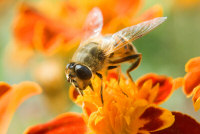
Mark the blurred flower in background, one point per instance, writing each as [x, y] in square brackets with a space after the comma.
[11, 97]
[192, 81]
[46, 33]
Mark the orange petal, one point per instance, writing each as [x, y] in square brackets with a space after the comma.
[34, 30]
[165, 86]
[4, 88]
[177, 83]
[193, 65]
[196, 98]
[68, 123]
[183, 124]
[156, 119]
[192, 79]
[124, 7]
[11, 97]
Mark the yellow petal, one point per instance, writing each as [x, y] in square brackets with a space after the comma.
[196, 98]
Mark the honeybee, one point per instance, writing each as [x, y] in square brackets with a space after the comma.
[97, 53]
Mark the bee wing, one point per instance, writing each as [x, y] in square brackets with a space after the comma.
[93, 24]
[132, 33]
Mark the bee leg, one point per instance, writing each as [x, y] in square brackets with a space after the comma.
[136, 57]
[101, 91]
[90, 85]
[118, 79]
[118, 73]
[134, 65]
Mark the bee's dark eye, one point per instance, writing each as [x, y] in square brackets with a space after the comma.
[70, 65]
[83, 72]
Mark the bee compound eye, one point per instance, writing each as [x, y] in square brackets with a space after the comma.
[83, 72]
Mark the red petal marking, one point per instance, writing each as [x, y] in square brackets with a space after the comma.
[193, 64]
[165, 85]
[192, 79]
[112, 75]
[183, 124]
[152, 114]
[4, 88]
[69, 123]
[73, 93]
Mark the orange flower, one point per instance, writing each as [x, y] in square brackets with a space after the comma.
[36, 31]
[11, 97]
[34, 28]
[192, 81]
[125, 110]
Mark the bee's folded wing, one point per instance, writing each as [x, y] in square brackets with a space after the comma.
[132, 33]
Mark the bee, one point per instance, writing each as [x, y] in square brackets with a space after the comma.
[97, 53]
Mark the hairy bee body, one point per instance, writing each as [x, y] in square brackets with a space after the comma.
[91, 56]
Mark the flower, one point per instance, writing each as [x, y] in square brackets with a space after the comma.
[34, 30]
[129, 108]
[11, 97]
[125, 109]
[191, 85]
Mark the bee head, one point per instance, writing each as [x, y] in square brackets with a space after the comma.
[79, 75]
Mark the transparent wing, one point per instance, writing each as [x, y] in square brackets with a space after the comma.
[93, 24]
[132, 33]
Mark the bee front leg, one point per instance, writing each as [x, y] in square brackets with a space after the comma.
[101, 91]
[134, 65]
[90, 85]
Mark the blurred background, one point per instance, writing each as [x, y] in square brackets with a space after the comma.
[31, 51]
